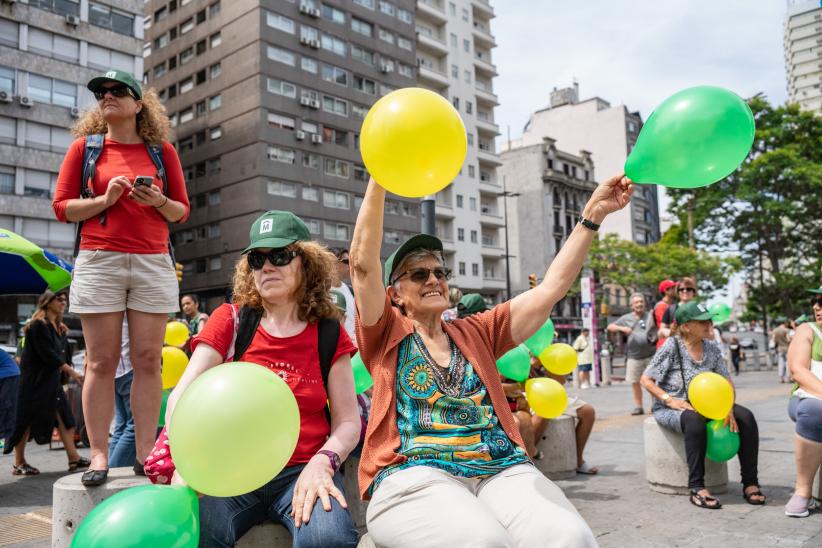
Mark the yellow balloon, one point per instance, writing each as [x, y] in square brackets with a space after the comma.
[559, 358]
[413, 142]
[176, 333]
[546, 397]
[174, 363]
[711, 395]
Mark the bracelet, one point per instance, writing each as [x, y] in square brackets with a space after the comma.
[589, 224]
[161, 205]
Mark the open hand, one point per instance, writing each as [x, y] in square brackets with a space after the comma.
[730, 420]
[611, 195]
[682, 405]
[315, 481]
[117, 186]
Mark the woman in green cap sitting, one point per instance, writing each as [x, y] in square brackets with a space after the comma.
[443, 461]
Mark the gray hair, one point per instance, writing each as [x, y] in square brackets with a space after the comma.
[416, 256]
[454, 296]
[636, 296]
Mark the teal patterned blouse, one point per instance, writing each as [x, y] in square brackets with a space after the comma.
[446, 420]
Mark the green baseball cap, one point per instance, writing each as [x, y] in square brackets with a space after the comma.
[119, 76]
[339, 299]
[420, 241]
[277, 229]
[471, 304]
[818, 290]
[801, 319]
[690, 311]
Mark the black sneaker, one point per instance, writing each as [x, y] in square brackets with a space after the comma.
[138, 469]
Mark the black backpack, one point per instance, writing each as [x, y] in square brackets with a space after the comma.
[328, 333]
[91, 153]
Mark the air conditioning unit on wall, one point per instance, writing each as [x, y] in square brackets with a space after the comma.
[316, 138]
[72, 20]
[299, 135]
[5, 97]
[25, 101]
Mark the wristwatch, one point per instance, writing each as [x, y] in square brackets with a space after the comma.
[589, 224]
[665, 398]
[333, 457]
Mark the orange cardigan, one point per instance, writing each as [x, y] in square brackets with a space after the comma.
[482, 338]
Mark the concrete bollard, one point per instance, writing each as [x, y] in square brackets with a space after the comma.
[560, 447]
[72, 501]
[666, 467]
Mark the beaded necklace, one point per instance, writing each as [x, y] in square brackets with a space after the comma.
[450, 381]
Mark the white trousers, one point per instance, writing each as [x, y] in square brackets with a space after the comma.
[423, 506]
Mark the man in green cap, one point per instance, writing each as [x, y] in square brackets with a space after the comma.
[471, 303]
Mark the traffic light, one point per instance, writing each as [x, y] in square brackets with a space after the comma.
[178, 270]
[604, 309]
[532, 280]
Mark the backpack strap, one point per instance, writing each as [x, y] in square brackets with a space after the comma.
[91, 152]
[246, 325]
[156, 154]
[328, 334]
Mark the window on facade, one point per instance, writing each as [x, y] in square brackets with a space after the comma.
[362, 27]
[335, 105]
[215, 102]
[336, 199]
[387, 8]
[281, 154]
[215, 133]
[460, 234]
[333, 14]
[309, 65]
[214, 9]
[61, 7]
[474, 269]
[386, 36]
[186, 115]
[405, 70]
[472, 171]
[365, 3]
[333, 74]
[279, 121]
[8, 130]
[281, 56]
[360, 174]
[473, 236]
[337, 231]
[461, 268]
[472, 203]
[404, 43]
[365, 85]
[279, 22]
[469, 107]
[311, 194]
[336, 136]
[333, 44]
[309, 127]
[215, 70]
[335, 168]
[37, 183]
[405, 16]
[282, 188]
[200, 17]
[6, 180]
[281, 87]
[185, 56]
[215, 40]
[200, 47]
[112, 19]
[359, 111]
[213, 166]
[186, 85]
[311, 161]
[186, 26]
[467, 76]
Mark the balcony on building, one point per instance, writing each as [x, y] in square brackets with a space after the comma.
[485, 92]
[487, 153]
[482, 62]
[431, 39]
[487, 181]
[433, 10]
[444, 207]
[482, 9]
[482, 34]
[430, 72]
[485, 122]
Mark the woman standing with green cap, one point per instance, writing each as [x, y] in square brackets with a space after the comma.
[123, 267]
[443, 461]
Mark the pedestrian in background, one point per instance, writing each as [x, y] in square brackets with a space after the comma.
[667, 288]
[124, 264]
[191, 308]
[637, 350]
[454, 297]
[343, 287]
[782, 340]
[585, 358]
[9, 379]
[686, 291]
[736, 354]
[41, 401]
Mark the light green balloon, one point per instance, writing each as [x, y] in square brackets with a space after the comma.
[515, 364]
[147, 516]
[721, 312]
[694, 138]
[234, 429]
[362, 378]
[542, 339]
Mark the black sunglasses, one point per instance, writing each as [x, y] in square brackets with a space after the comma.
[344, 261]
[421, 275]
[116, 91]
[689, 289]
[277, 257]
[816, 301]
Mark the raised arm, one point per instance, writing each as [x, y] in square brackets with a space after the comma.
[364, 256]
[530, 309]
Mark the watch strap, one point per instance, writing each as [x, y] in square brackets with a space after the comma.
[589, 224]
[333, 457]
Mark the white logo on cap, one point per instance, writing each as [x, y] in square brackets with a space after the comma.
[702, 308]
[111, 74]
[266, 226]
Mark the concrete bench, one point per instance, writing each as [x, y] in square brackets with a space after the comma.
[72, 501]
[666, 467]
[559, 444]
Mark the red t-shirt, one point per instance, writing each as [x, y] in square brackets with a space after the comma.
[297, 360]
[659, 311]
[130, 227]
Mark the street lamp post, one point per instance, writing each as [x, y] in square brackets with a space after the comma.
[505, 194]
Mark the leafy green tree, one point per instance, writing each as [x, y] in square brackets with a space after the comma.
[768, 211]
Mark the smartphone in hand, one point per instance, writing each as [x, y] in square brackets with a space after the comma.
[143, 180]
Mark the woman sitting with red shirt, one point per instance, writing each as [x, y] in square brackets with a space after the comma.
[290, 279]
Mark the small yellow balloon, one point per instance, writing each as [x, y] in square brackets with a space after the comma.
[559, 358]
[711, 395]
[176, 333]
[174, 363]
[413, 142]
[546, 397]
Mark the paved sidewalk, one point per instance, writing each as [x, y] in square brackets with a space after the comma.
[617, 503]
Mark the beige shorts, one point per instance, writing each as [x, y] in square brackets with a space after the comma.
[110, 281]
[635, 368]
[574, 405]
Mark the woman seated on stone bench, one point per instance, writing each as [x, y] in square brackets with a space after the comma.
[289, 278]
[687, 353]
[443, 461]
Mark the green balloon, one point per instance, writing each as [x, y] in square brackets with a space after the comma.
[362, 378]
[721, 312]
[542, 339]
[515, 364]
[234, 429]
[162, 421]
[147, 516]
[722, 443]
[694, 138]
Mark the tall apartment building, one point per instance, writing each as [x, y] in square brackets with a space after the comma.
[803, 53]
[49, 49]
[609, 134]
[454, 44]
[550, 188]
[267, 98]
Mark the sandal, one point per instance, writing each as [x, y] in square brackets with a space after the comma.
[24, 469]
[702, 501]
[78, 464]
[749, 496]
[587, 469]
[93, 478]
